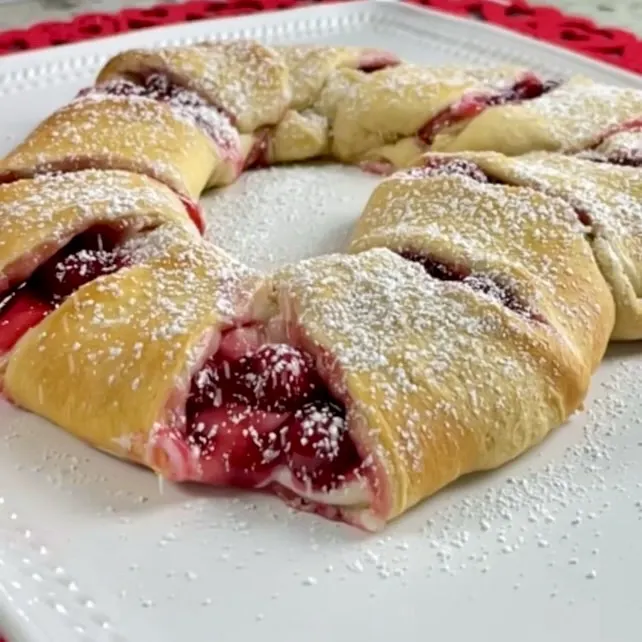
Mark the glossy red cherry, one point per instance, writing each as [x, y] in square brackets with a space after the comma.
[320, 450]
[63, 275]
[238, 444]
[274, 378]
[19, 312]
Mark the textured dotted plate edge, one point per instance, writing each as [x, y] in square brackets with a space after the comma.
[445, 33]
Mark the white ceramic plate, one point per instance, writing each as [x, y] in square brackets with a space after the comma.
[545, 549]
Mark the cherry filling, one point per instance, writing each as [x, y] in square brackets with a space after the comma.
[376, 61]
[88, 256]
[194, 212]
[258, 157]
[631, 157]
[443, 166]
[471, 105]
[482, 283]
[257, 417]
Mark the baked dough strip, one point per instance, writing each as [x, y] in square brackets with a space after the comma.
[432, 374]
[606, 198]
[351, 385]
[193, 117]
[196, 117]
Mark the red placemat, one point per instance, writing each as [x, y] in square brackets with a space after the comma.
[545, 23]
[581, 35]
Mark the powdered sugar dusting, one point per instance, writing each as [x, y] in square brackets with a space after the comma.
[117, 195]
[608, 194]
[400, 339]
[530, 242]
[570, 118]
[623, 148]
[80, 135]
[276, 216]
[185, 104]
[397, 102]
[577, 113]
[244, 78]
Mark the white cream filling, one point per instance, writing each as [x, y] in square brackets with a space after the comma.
[353, 493]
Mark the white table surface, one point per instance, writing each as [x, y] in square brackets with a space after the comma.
[626, 14]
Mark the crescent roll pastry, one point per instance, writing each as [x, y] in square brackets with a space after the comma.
[305, 129]
[193, 117]
[389, 119]
[57, 233]
[353, 385]
[395, 114]
[245, 80]
[310, 66]
[620, 146]
[112, 364]
[267, 94]
[451, 219]
[569, 118]
[151, 140]
[237, 87]
[431, 375]
[607, 199]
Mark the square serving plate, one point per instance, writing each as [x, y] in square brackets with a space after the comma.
[91, 549]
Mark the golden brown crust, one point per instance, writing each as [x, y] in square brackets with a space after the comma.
[397, 102]
[150, 140]
[433, 373]
[258, 87]
[527, 240]
[570, 118]
[306, 128]
[38, 216]
[610, 196]
[115, 360]
[246, 79]
[310, 66]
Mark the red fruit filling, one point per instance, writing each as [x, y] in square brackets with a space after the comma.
[482, 283]
[260, 415]
[20, 310]
[473, 104]
[258, 156]
[194, 211]
[628, 157]
[376, 61]
[88, 256]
